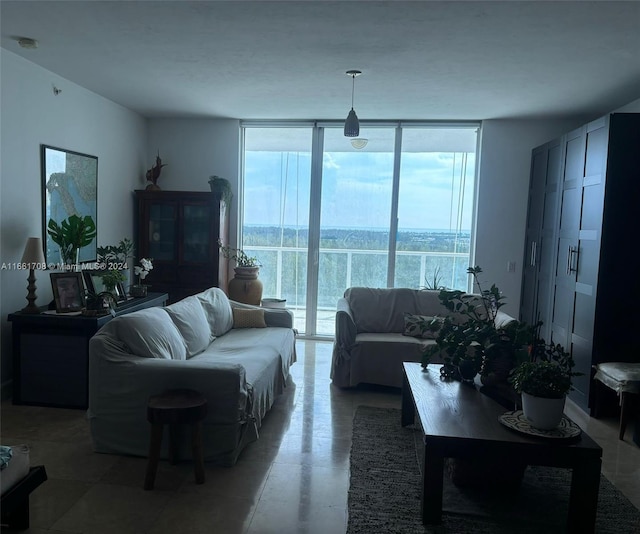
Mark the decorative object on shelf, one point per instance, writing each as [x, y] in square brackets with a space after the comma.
[222, 186]
[34, 258]
[474, 338]
[351, 124]
[154, 173]
[68, 291]
[141, 271]
[244, 286]
[71, 235]
[544, 380]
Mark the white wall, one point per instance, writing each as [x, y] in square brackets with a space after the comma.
[194, 150]
[78, 120]
[631, 107]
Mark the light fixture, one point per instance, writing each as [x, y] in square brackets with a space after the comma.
[352, 125]
[33, 257]
[359, 142]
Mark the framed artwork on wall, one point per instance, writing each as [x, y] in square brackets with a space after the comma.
[68, 291]
[69, 187]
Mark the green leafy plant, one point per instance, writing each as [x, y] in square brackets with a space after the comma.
[116, 253]
[221, 185]
[473, 333]
[434, 280]
[546, 372]
[111, 279]
[239, 256]
[72, 234]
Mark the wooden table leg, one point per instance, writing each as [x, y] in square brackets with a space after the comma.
[431, 501]
[583, 500]
[154, 455]
[198, 452]
[408, 412]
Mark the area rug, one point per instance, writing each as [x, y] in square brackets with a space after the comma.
[384, 492]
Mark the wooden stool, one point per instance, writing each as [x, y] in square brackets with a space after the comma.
[174, 407]
[624, 379]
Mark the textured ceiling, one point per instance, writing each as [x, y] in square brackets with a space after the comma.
[286, 60]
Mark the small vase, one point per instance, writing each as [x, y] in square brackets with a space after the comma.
[245, 286]
[153, 187]
[542, 413]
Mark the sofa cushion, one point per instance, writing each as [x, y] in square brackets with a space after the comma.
[217, 309]
[150, 333]
[189, 317]
[380, 310]
[422, 326]
[243, 318]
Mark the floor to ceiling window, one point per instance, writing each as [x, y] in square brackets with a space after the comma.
[322, 216]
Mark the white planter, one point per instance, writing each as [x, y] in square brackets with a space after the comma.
[544, 414]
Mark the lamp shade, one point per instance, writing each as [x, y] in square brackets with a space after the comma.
[352, 125]
[33, 253]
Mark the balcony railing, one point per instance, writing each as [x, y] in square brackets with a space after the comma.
[283, 275]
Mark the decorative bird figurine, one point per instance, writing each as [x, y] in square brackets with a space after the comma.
[154, 172]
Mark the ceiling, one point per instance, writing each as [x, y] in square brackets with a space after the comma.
[287, 60]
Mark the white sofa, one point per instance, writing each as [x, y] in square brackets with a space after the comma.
[204, 342]
[373, 335]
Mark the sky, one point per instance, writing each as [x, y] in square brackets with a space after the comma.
[356, 187]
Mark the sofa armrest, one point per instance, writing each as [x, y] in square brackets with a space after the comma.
[345, 325]
[279, 317]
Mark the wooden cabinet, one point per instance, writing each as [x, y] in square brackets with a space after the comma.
[541, 233]
[180, 231]
[51, 354]
[593, 290]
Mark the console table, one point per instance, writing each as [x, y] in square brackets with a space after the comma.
[51, 353]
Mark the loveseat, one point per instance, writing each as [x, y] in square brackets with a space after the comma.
[238, 356]
[378, 329]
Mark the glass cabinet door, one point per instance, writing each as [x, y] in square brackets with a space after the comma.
[162, 231]
[196, 230]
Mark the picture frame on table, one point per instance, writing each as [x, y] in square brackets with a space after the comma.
[94, 283]
[68, 292]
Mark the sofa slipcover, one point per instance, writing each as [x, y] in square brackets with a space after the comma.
[240, 372]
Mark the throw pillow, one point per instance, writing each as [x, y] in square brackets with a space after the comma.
[217, 309]
[190, 319]
[151, 333]
[422, 326]
[245, 318]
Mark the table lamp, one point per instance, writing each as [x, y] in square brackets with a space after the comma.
[33, 257]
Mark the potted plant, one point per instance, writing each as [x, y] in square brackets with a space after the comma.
[244, 286]
[544, 380]
[71, 235]
[117, 257]
[141, 271]
[222, 186]
[473, 339]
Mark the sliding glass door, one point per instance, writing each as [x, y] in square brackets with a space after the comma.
[323, 216]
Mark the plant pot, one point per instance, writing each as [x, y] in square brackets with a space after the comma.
[245, 286]
[138, 291]
[543, 413]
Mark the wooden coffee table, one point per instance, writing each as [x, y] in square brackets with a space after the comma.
[458, 421]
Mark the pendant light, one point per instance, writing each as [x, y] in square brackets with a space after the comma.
[352, 125]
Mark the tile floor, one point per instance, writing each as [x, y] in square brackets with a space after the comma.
[293, 480]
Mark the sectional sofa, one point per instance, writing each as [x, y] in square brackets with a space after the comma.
[237, 356]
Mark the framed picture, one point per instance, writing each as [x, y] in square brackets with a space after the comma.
[69, 187]
[95, 284]
[68, 291]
